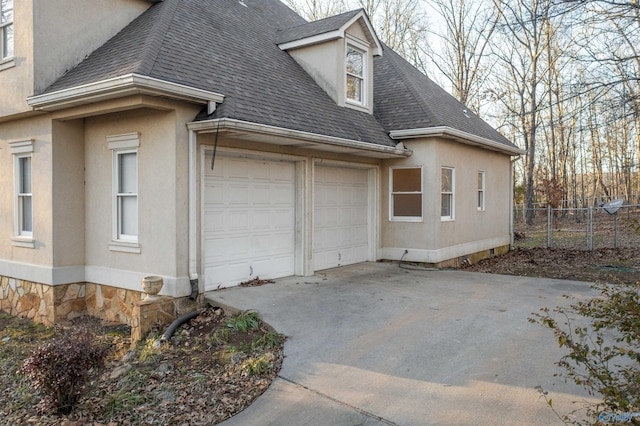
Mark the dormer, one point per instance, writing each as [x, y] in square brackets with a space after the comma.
[337, 52]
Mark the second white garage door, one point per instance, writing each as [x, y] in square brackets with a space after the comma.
[249, 220]
[341, 217]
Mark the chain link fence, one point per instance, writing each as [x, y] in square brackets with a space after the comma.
[577, 228]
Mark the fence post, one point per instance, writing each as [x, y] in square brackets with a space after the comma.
[615, 230]
[549, 228]
[590, 230]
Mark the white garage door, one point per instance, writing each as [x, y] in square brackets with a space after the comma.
[249, 220]
[341, 217]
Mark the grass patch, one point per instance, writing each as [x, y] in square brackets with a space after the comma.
[258, 366]
[244, 321]
[220, 337]
[268, 341]
[148, 353]
[126, 403]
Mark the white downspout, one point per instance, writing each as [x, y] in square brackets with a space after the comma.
[193, 213]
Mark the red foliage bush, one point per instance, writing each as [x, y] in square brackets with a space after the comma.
[59, 369]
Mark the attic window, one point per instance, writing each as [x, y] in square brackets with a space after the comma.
[6, 29]
[356, 64]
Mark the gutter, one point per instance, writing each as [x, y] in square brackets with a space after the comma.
[210, 126]
[458, 135]
[126, 85]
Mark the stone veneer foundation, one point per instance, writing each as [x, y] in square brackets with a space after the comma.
[53, 304]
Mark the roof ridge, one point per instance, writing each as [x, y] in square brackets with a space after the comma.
[157, 34]
[318, 22]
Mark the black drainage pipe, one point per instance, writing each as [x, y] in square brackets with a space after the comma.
[177, 323]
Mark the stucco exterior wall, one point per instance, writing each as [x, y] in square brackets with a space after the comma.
[469, 223]
[163, 215]
[156, 196]
[416, 234]
[38, 129]
[17, 80]
[323, 63]
[50, 37]
[68, 200]
[433, 240]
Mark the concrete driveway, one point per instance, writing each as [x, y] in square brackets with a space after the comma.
[374, 344]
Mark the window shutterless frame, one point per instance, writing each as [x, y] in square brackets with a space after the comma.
[125, 195]
[405, 198]
[355, 65]
[356, 73]
[6, 29]
[481, 190]
[447, 194]
[23, 218]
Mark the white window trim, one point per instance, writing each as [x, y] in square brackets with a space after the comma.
[354, 44]
[482, 191]
[452, 217]
[5, 59]
[122, 144]
[21, 149]
[394, 218]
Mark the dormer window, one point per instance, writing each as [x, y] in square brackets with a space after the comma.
[6, 29]
[337, 52]
[355, 75]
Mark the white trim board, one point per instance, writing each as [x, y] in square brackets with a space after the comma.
[129, 280]
[445, 253]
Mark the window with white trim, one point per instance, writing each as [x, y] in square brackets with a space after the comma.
[406, 193]
[481, 190]
[6, 29]
[447, 206]
[23, 193]
[125, 187]
[356, 64]
[23, 196]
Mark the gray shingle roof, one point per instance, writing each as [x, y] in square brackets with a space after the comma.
[405, 98]
[224, 47]
[310, 29]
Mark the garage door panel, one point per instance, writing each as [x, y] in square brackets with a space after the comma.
[249, 220]
[341, 217]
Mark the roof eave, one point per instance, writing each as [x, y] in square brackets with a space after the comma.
[457, 135]
[300, 139]
[117, 87]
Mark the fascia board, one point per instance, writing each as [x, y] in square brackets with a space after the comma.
[126, 85]
[227, 123]
[377, 51]
[458, 135]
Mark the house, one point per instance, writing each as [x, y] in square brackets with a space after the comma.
[210, 142]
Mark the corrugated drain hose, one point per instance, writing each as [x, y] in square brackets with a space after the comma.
[177, 323]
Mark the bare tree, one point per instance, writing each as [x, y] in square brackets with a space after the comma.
[464, 40]
[312, 10]
[523, 26]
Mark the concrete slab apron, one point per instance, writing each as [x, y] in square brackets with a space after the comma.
[375, 344]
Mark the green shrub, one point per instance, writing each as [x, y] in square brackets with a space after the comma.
[602, 336]
[59, 369]
[245, 321]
